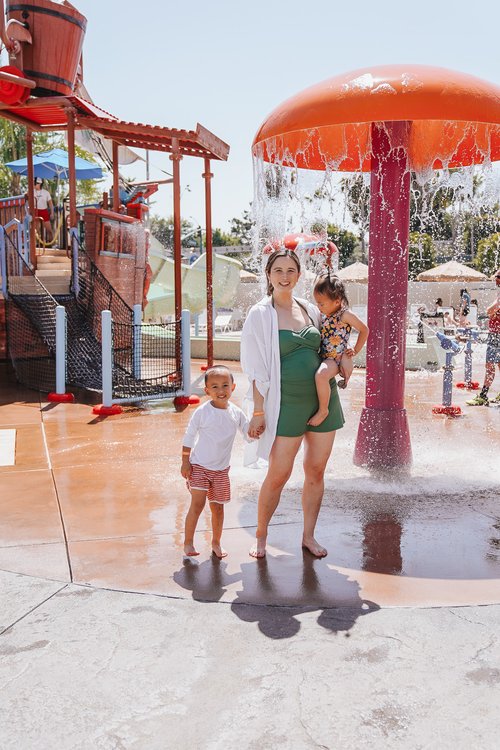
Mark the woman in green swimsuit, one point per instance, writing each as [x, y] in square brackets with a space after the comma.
[280, 353]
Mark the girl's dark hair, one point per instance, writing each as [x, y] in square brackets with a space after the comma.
[331, 286]
[283, 252]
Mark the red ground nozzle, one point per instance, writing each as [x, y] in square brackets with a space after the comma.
[61, 398]
[472, 385]
[186, 400]
[450, 411]
[107, 411]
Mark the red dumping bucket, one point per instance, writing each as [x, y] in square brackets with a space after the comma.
[57, 31]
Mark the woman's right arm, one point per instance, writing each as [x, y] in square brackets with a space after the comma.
[254, 364]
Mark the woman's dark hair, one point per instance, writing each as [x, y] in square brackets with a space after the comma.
[331, 286]
[439, 302]
[283, 252]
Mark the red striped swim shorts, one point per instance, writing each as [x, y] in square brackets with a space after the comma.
[216, 483]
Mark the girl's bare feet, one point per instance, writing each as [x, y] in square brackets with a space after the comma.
[312, 546]
[190, 551]
[259, 548]
[218, 551]
[317, 418]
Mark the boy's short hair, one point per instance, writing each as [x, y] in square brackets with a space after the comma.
[218, 370]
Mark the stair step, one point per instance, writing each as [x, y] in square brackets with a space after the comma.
[23, 285]
[51, 253]
[57, 288]
[52, 260]
[53, 272]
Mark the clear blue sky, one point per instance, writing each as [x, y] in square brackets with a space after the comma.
[228, 64]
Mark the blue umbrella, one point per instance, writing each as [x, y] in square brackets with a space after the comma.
[54, 165]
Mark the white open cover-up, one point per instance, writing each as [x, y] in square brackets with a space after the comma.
[260, 361]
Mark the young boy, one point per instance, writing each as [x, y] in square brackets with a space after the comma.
[206, 454]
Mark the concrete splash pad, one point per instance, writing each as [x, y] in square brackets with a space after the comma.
[432, 539]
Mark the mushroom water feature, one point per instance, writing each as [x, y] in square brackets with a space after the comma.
[389, 121]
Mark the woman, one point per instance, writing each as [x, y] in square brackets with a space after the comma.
[279, 353]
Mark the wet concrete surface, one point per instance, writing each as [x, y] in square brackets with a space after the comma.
[110, 493]
[109, 639]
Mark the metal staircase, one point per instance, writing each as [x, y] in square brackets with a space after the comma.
[31, 332]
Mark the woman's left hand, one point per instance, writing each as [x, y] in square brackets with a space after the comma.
[349, 352]
[256, 427]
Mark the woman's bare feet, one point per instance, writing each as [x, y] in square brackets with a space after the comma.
[218, 551]
[317, 418]
[259, 548]
[312, 546]
[190, 551]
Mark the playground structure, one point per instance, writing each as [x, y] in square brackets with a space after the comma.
[387, 120]
[109, 268]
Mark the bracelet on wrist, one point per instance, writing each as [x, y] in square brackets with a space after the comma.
[258, 414]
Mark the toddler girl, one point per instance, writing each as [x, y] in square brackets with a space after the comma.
[336, 323]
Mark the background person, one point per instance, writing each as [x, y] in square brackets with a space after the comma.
[44, 208]
[280, 344]
[464, 308]
[492, 350]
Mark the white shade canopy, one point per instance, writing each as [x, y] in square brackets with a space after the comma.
[354, 272]
[451, 271]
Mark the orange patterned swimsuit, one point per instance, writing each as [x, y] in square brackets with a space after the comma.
[334, 336]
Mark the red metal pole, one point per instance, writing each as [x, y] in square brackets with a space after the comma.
[31, 196]
[207, 175]
[176, 157]
[71, 168]
[383, 440]
[116, 179]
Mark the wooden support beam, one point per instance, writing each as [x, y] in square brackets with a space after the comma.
[31, 196]
[116, 179]
[207, 176]
[176, 160]
[71, 167]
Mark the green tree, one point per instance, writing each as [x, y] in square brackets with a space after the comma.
[242, 229]
[487, 259]
[13, 146]
[163, 230]
[477, 227]
[357, 195]
[422, 255]
[223, 239]
[346, 242]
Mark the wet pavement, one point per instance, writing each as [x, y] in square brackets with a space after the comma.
[95, 591]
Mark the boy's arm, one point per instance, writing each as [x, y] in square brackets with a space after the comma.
[362, 330]
[244, 425]
[186, 464]
[188, 443]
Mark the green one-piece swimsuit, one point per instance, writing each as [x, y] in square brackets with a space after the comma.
[299, 401]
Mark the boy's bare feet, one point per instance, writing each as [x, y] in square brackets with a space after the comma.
[312, 546]
[259, 548]
[218, 551]
[317, 418]
[190, 551]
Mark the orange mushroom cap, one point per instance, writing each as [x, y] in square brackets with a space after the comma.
[455, 119]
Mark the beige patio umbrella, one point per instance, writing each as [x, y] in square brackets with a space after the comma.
[451, 271]
[354, 272]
